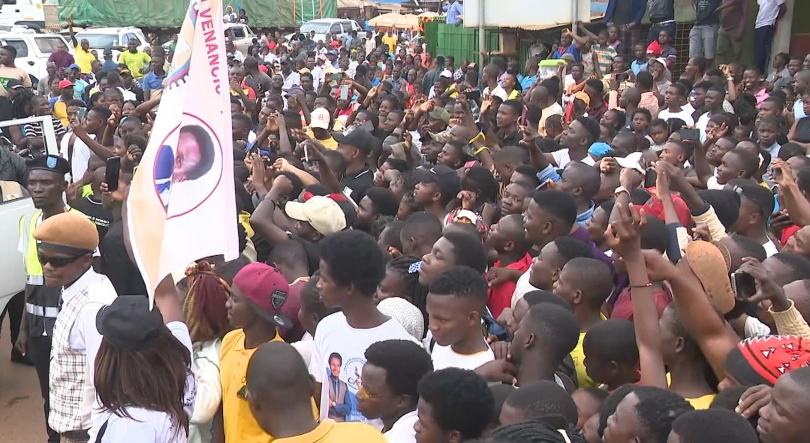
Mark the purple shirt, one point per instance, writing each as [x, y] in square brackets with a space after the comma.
[618, 281]
[61, 59]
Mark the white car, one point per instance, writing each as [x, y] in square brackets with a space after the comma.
[241, 36]
[12, 273]
[333, 26]
[110, 38]
[33, 49]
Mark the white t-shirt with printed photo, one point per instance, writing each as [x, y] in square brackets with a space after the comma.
[337, 363]
[562, 158]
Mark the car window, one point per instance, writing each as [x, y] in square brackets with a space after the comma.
[335, 29]
[238, 32]
[249, 31]
[47, 45]
[101, 41]
[19, 45]
[129, 37]
[318, 27]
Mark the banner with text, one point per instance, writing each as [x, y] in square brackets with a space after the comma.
[181, 204]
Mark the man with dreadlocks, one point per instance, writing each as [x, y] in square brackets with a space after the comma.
[207, 320]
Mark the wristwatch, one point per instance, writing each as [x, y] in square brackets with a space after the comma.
[619, 190]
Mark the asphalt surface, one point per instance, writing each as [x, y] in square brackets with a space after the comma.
[21, 417]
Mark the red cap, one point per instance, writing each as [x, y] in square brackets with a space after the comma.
[266, 287]
[65, 83]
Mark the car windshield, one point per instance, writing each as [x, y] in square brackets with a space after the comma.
[99, 41]
[48, 45]
[318, 27]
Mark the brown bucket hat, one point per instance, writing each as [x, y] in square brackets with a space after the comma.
[711, 264]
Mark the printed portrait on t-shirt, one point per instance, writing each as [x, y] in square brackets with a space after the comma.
[343, 379]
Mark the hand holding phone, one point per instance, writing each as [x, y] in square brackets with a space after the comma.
[112, 173]
[743, 285]
[690, 134]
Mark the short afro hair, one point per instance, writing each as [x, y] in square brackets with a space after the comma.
[463, 282]
[654, 235]
[404, 362]
[612, 340]
[570, 248]
[798, 265]
[383, 200]
[468, 250]
[354, 259]
[543, 296]
[558, 204]
[656, 410]
[460, 399]
[611, 403]
[557, 326]
[543, 399]
[713, 426]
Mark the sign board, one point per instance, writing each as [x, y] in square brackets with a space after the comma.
[501, 13]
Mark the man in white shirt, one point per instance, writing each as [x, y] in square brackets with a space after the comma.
[66, 245]
[764, 29]
[675, 99]
[391, 374]
[371, 44]
[291, 78]
[352, 266]
[455, 305]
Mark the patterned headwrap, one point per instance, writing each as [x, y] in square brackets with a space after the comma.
[762, 360]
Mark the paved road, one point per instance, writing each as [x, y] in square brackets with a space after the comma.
[21, 416]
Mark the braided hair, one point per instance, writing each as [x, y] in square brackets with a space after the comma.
[204, 307]
[21, 105]
[402, 265]
[536, 430]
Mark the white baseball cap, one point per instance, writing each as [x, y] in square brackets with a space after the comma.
[320, 118]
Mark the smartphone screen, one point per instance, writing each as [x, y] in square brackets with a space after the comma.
[81, 112]
[344, 92]
[743, 285]
[112, 172]
[649, 178]
[689, 134]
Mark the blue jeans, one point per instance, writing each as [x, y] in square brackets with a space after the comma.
[656, 28]
[763, 39]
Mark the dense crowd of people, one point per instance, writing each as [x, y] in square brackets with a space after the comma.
[433, 252]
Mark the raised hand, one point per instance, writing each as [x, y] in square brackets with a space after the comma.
[624, 235]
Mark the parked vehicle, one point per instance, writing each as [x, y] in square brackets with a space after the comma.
[112, 38]
[33, 49]
[12, 273]
[333, 26]
[23, 12]
[241, 35]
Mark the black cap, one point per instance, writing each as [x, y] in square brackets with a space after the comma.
[128, 324]
[759, 195]
[358, 138]
[14, 83]
[448, 180]
[49, 163]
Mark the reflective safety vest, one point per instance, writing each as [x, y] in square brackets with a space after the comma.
[36, 306]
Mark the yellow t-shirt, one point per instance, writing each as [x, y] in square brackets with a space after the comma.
[60, 112]
[83, 58]
[698, 402]
[329, 143]
[331, 432]
[239, 423]
[391, 41]
[702, 402]
[134, 62]
[578, 355]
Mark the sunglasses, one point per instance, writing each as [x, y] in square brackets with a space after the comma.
[57, 262]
